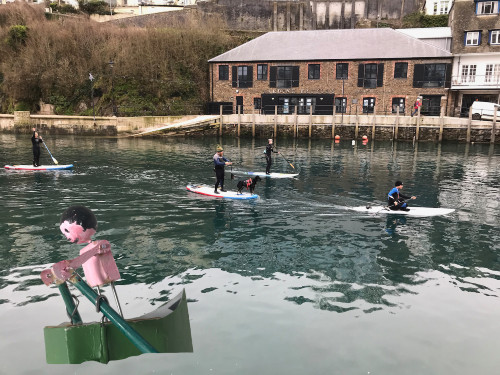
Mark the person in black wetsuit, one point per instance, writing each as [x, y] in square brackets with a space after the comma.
[36, 140]
[396, 200]
[219, 163]
[268, 152]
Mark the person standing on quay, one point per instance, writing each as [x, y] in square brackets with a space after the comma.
[36, 140]
[416, 106]
[219, 163]
[268, 152]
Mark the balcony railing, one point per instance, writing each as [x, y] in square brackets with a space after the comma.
[489, 80]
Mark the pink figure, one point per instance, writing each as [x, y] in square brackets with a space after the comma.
[79, 224]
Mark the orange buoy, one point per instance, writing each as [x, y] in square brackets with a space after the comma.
[364, 138]
[337, 137]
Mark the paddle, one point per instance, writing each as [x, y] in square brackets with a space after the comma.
[291, 165]
[53, 158]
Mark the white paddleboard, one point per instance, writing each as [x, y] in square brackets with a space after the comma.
[28, 167]
[414, 211]
[209, 191]
[271, 175]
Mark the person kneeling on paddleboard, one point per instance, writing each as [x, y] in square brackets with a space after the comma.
[36, 140]
[396, 200]
[219, 163]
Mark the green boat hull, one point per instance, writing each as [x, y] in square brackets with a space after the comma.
[167, 329]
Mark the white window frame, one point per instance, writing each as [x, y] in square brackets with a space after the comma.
[443, 8]
[481, 5]
[472, 38]
[435, 8]
[469, 73]
[495, 37]
[492, 73]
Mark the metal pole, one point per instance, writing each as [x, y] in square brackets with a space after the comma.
[111, 64]
[92, 94]
[70, 304]
[136, 339]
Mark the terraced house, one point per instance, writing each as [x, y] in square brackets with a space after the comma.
[475, 29]
[349, 71]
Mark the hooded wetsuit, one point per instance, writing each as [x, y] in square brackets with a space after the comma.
[269, 160]
[395, 196]
[36, 150]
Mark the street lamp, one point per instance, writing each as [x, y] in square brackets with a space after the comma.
[111, 63]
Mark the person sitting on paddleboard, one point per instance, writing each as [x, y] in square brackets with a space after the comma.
[36, 140]
[396, 200]
[219, 163]
[268, 152]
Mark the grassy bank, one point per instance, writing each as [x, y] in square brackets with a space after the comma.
[160, 70]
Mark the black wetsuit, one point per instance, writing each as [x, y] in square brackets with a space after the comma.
[395, 196]
[36, 150]
[269, 159]
[219, 163]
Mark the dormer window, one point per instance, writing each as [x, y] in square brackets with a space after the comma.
[487, 7]
[472, 38]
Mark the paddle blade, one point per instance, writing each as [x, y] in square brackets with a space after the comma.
[291, 165]
[232, 176]
[55, 161]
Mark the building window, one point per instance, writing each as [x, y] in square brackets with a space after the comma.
[342, 71]
[223, 72]
[313, 71]
[398, 102]
[370, 75]
[492, 73]
[284, 76]
[340, 105]
[261, 72]
[469, 73]
[243, 76]
[435, 8]
[495, 37]
[443, 8]
[401, 70]
[487, 7]
[472, 38]
[257, 103]
[432, 75]
[368, 105]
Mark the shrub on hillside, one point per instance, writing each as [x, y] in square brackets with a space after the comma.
[94, 7]
[418, 19]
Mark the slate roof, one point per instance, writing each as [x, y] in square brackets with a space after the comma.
[320, 45]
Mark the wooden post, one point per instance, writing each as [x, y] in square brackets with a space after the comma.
[374, 122]
[310, 121]
[441, 125]
[253, 123]
[295, 130]
[275, 134]
[220, 122]
[333, 121]
[469, 125]
[239, 120]
[396, 126]
[494, 125]
[417, 129]
[356, 129]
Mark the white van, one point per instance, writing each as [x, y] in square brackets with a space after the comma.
[484, 110]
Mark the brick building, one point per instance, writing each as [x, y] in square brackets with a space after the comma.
[357, 70]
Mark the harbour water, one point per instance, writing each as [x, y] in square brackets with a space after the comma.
[291, 283]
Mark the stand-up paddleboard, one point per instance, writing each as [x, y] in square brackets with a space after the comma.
[40, 168]
[209, 191]
[414, 211]
[271, 175]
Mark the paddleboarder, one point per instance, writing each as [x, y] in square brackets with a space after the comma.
[396, 200]
[268, 152]
[219, 163]
[36, 140]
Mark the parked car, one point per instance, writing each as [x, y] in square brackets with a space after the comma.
[484, 110]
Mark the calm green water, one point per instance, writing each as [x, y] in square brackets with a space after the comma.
[293, 283]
